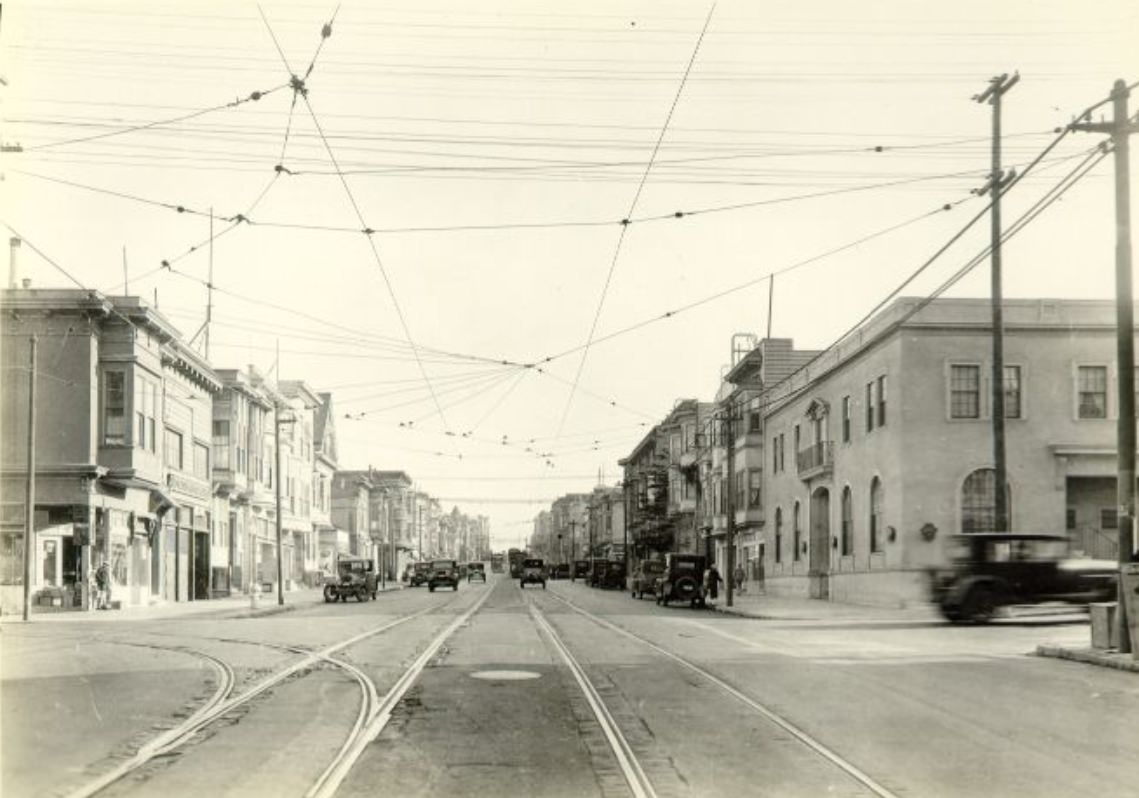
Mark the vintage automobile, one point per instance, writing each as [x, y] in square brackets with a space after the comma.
[645, 576]
[420, 573]
[989, 571]
[355, 576]
[476, 570]
[443, 573]
[608, 574]
[533, 572]
[560, 571]
[682, 579]
[580, 569]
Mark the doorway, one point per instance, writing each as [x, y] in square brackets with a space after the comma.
[819, 558]
[201, 565]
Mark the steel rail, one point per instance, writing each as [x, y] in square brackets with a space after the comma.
[630, 766]
[217, 707]
[334, 775]
[803, 737]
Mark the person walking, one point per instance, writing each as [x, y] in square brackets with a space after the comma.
[712, 580]
[739, 577]
[103, 585]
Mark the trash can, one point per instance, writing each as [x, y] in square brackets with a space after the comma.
[1130, 576]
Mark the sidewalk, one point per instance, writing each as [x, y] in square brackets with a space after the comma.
[778, 608]
[239, 606]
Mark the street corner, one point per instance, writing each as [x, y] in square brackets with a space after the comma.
[1091, 656]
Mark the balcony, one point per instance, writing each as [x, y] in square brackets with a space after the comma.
[816, 460]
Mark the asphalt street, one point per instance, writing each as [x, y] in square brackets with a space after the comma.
[567, 691]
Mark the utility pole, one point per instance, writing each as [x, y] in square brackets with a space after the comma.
[997, 181]
[277, 486]
[1120, 128]
[730, 503]
[30, 495]
[573, 549]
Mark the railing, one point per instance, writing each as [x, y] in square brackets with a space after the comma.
[816, 458]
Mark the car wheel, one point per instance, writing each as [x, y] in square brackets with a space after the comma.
[329, 593]
[980, 605]
[343, 598]
[431, 588]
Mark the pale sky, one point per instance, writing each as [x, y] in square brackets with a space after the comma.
[535, 124]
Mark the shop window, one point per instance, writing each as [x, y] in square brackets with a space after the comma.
[49, 550]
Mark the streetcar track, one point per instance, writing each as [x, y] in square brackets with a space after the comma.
[627, 760]
[221, 704]
[770, 715]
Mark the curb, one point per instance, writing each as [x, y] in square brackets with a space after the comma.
[1090, 657]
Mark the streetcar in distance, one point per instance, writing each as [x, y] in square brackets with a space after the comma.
[515, 557]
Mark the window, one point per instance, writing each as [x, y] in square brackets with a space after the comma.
[778, 534]
[978, 502]
[796, 533]
[847, 522]
[846, 419]
[741, 491]
[797, 440]
[201, 461]
[754, 496]
[753, 424]
[114, 407]
[174, 449]
[1108, 518]
[1070, 519]
[221, 444]
[869, 407]
[1092, 392]
[876, 528]
[882, 401]
[964, 391]
[774, 455]
[146, 412]
[1012, 391]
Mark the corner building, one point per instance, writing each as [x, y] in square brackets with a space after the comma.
[881, 447]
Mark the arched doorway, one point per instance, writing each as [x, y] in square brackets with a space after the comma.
[819, 556]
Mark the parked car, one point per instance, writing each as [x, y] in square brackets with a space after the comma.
[476, 570]
[608, 574]
[645, 576]
[560, 571]
[533, 572]
[355, 577]
[420, 573]
[682, 579]
[988, 571]
[580, 569]
[443, 573]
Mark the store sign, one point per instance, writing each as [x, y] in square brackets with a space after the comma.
[188, 486]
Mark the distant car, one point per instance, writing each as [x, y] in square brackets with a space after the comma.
[420, 573]
[645, 576]
[560, 571]
[476, 570]
[580, 569]
[991, 570]
[682, 579]
[608, 574]
[443, 573]
[533, 572]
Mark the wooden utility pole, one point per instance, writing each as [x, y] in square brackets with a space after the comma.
[1120, 129]
[30, 495]
[277, 493]
[997, 181]
[730, 504]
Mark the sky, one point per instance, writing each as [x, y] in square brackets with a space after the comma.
[498, 332]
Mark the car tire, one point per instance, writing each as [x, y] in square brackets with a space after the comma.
[431, 588]
[980, 605]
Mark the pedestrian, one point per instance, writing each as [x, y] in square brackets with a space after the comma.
[103, 585]
[712, 580]
[739, 577]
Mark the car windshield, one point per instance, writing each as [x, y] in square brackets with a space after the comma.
[684, 565]
[476, 566]
[443, 564]
[532, 563]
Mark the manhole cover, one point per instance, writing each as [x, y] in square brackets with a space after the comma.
[505, 675]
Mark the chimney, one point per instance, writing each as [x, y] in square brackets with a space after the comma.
[13, 261]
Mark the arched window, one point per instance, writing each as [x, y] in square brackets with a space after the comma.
[847, 522]
[796, 533]
[876, 528]
[979, 501]
[778, 534]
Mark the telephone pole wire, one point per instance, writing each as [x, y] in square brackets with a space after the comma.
[1120, 128]
[997, 182]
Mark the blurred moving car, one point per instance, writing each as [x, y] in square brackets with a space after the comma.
[476, 570]
[646, 574]
[444, 573]
[991, 570]
[533, 571]
[682, 579]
